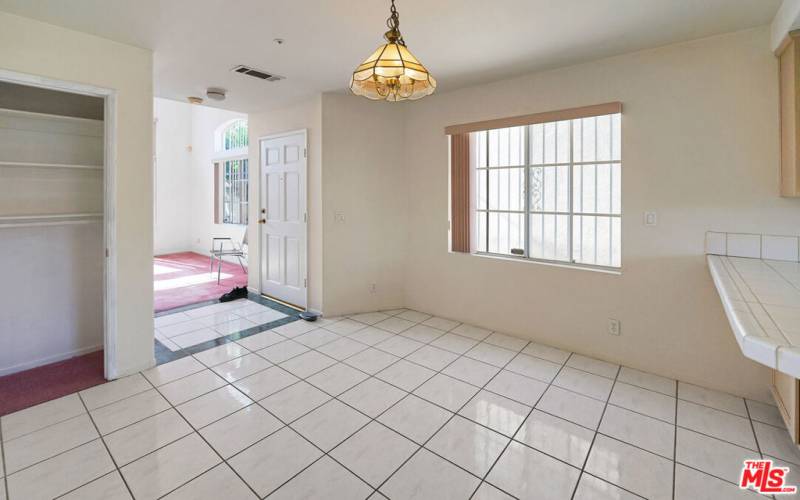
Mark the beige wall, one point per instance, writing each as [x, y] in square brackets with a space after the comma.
[173, 196]
[305, 115]
[40, 49]
[700, 147]
[364, 184]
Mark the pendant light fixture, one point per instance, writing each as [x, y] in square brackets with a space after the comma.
[391, 73]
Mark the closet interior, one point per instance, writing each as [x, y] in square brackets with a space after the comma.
[51, 225]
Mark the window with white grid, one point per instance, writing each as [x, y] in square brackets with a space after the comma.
[550, 191]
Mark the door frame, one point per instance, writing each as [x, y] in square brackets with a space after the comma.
[109, 97]
[304, 132]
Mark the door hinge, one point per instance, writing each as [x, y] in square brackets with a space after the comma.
[305, 153]
[305, 217]
[305, 282]
[107, 252]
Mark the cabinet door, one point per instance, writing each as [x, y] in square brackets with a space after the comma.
[789, 57]
[785, 391]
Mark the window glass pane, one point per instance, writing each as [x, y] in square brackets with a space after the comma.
[506, 232]
[596, 189]
[550, 142]
[562, 188]
[603, 188]
[536, 138]
[480, 149]
[549, 237]
[596, 240]
[516, 147]
[550, 179]
[603, 138]
[234, 191]
[586, 195]
[506, 189]
[506, 147]
[587, 139]
[577, 140]
[494, 150]
[616, 189]
[537, 189]
[549, 188]
[562, 142]
[480, 187]
[481, 231]
[235, 136]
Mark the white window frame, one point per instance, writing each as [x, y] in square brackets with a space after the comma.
[526, 209]
[243, 191]
[221, 157]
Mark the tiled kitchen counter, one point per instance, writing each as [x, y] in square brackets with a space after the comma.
[762, 301]
[758, 280]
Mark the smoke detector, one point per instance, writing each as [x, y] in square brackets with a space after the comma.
[194, 100]
[216, 94]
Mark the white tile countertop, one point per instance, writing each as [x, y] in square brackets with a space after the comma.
[761, 296]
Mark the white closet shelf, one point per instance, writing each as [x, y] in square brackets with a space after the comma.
[48, 116]
[24, 164]
[49, 219]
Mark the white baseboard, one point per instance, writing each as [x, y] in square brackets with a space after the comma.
[49, 359]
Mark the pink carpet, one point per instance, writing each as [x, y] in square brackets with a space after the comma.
[29, 388]
[170, 267]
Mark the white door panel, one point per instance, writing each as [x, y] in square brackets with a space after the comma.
[283, 210]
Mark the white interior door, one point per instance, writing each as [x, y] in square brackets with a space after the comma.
[282, 217]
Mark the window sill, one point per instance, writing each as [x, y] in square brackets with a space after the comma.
[565, 265]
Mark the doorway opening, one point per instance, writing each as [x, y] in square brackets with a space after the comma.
[57, 227]
[201, 196]
[283, 217]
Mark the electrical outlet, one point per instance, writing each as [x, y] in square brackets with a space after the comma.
[373, 288]
[614, 326]
[338, 217]
[650, 219]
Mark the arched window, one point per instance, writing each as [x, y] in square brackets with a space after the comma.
[233, 136]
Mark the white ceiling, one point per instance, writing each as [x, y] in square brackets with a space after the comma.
[462, 42]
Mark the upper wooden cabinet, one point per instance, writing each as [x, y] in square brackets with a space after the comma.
[789, 56]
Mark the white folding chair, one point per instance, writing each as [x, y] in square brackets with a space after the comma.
[235, 250]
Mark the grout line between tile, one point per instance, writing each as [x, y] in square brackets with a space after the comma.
[3, 459]
[513, 436]
[597, 431]
[675, 442]
[100, 436]
[196, 431]
[371, 419]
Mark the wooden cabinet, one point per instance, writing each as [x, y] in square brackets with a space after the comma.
[789, 59]
[785, 390]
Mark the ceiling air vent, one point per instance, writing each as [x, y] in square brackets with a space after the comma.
[256, 73]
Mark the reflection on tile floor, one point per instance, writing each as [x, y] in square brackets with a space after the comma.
[395, 404]
[190, 327]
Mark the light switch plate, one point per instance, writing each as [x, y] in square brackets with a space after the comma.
[650, 219]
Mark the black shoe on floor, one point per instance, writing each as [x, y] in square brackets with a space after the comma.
[238, 292]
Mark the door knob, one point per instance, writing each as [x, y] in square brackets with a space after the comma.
[262, 221]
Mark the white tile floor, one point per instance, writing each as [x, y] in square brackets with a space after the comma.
[185, 329]
[353, 410]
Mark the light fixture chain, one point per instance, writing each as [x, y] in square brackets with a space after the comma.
[393, 22]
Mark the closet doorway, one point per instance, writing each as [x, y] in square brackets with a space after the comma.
[57, 230]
